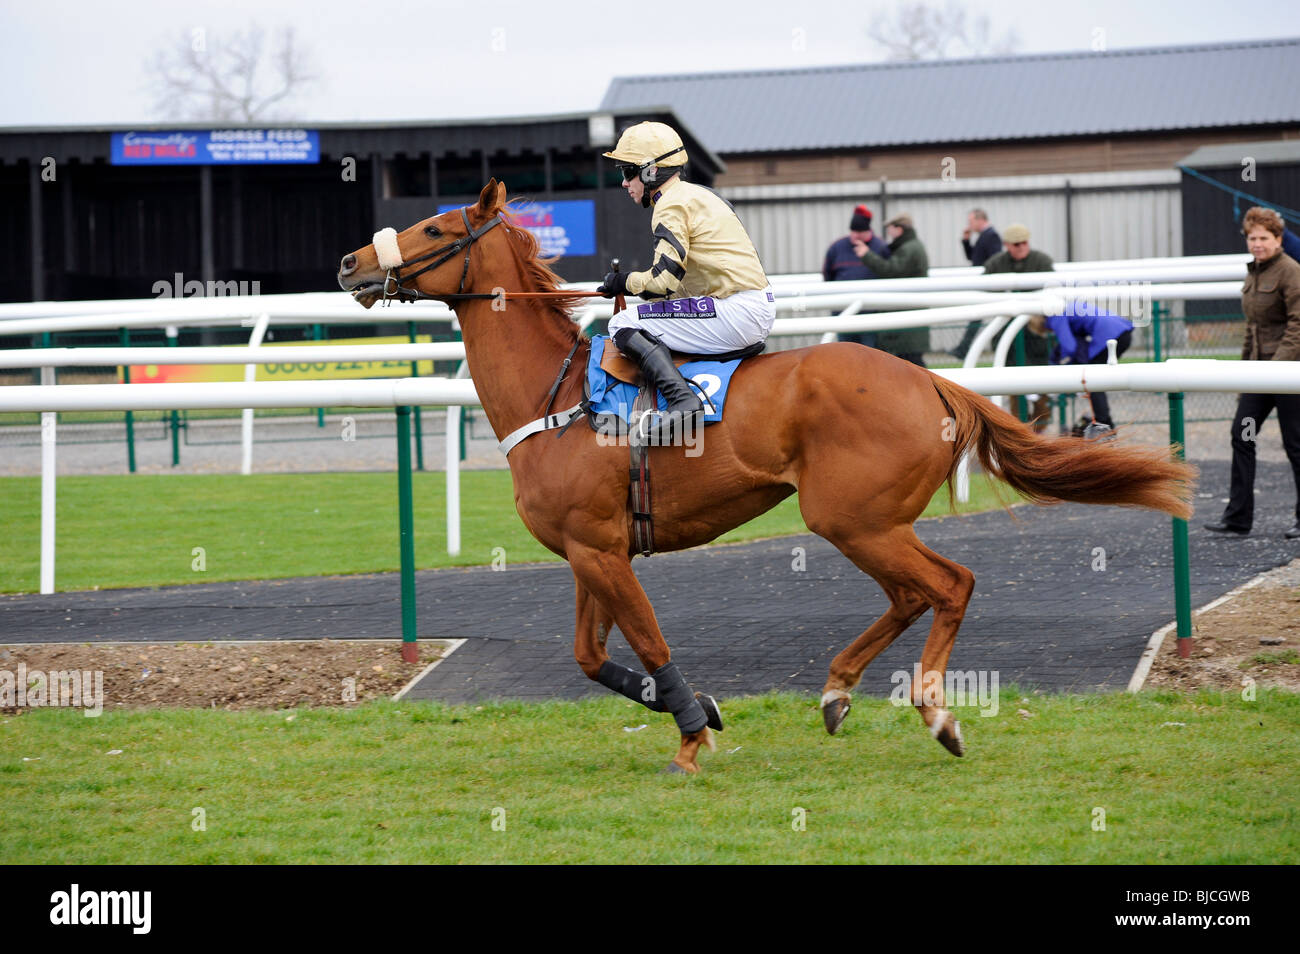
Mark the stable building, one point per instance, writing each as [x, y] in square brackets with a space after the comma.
[1083, 147]
[111, 212]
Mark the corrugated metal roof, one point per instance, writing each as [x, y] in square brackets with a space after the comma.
[987, 99]
[1282, 151]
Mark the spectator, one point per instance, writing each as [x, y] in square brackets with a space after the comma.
[1081, 336]
[1019, 257]
[1291, 244]
[842, 265]
[986, 244]
[1270, 300]
[907, 259]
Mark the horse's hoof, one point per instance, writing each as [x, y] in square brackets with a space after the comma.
[711, 711]
[948, 732]
[672, 768]
[835, 708]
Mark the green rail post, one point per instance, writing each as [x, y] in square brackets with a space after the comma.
[317, 333]
[461, 418]
[1157, 313]
[1182, 557]
[1022, 406]
[419, 427]
[172, 341]
[406, 521]
[130, 416]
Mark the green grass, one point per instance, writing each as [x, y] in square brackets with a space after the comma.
[141, 530]
[1269, 659]
[1207, 779]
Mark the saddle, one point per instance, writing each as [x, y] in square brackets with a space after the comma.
[615, 365]
[623, 370]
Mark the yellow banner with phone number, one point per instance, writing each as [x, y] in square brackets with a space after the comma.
[286, 371]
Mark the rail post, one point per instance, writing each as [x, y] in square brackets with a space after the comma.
[172, 341]
[318, 333]
[1157, 313]
[419, 427]
[125, 335]
[406, 522]
[1182, 557]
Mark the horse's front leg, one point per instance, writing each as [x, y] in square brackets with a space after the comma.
[608, 591]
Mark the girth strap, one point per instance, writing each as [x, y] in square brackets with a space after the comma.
[639, 475]
[560, 419]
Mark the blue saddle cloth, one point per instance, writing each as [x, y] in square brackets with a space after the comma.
[610, 397]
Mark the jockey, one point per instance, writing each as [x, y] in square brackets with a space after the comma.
[706, 292]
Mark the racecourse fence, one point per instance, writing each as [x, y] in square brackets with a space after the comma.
[1152, 293]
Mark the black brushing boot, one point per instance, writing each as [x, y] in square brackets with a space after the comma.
[656, 363]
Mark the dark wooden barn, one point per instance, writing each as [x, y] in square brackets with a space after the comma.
[81, 225]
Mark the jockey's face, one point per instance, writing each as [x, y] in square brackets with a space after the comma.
[635, 188]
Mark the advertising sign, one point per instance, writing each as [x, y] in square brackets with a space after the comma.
[215, 147]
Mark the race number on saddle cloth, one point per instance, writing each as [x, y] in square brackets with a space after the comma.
[608, 397]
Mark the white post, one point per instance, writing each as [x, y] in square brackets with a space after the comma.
[48, 425]
[973, 355]
[454, 411]
[250, 375]
[453, 479]
[1112, 356]
[851, 310]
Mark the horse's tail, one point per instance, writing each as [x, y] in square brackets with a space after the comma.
[1053, 469]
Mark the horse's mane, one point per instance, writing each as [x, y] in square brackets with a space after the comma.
[538, 269]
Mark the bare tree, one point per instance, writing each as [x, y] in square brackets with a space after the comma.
[237, 78]
[923, 31]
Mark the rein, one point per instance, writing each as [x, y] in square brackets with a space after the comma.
[394, 279]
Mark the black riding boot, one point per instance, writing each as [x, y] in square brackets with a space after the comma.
[656, 363]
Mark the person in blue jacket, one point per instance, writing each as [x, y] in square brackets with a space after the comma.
[1082, 331]
[1291, 244]
[842, 265]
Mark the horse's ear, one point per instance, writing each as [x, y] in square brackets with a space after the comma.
[492, 198]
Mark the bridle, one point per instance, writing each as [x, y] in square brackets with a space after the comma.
[395, 278]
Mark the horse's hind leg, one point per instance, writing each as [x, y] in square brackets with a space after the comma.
[915, 579]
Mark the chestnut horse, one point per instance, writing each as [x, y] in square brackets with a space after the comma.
[865, 438]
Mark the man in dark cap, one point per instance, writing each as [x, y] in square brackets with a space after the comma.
[842, 265]
[980, 241]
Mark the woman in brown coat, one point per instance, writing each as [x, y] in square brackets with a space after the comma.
[1270, 300]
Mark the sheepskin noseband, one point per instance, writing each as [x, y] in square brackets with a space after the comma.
[385, 242]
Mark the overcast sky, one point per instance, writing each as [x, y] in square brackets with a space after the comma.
[82, 61]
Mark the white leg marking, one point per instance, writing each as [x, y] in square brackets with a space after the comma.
[940, 718]
[831, 694]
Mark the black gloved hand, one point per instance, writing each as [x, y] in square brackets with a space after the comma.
[615, 283]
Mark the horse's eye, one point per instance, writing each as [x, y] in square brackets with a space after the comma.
[432, 231]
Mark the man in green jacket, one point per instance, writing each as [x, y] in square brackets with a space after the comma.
[907, 259]
[1017, 256]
